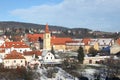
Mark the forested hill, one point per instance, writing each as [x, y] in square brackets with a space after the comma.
[64, 31]
[12, 24]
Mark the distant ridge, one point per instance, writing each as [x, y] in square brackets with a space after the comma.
[64, 31]
[11, 24]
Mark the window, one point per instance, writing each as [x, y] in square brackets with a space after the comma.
[20, 50]
[90, 61]
[21, 61]
[14, 61]
[51, 57]
[6, 61]
[46, 57]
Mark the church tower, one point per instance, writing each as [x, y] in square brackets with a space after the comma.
[47, 39]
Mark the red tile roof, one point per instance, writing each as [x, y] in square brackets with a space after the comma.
[59, 41]
[38, 53]
[72, 41]
[2, 51]
[34, 37]
[86, 41]
[14, 44]
[14, 55]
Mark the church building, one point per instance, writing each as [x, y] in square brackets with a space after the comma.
[48, 41]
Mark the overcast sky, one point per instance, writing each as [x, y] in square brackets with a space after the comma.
[93, 14]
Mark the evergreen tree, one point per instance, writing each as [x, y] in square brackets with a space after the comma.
[52, 51]
[80, 54]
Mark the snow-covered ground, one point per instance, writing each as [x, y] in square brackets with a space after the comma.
[63, 75]
[60, 75]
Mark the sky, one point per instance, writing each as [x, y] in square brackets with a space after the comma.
[103, 15]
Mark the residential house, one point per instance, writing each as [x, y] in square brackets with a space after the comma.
[14, 59]
[31, 55]
[18, 46]
[94, 60]
[115, 48]
[105, 42]
[48, 57]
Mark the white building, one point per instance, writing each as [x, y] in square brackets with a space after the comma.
[94, 60]
[18, 46]
[115, 48]
[13, 60]
[105, 42]
[48, 56]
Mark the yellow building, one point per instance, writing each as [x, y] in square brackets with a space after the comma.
[94, 45]
[59, 43]
[94, 60]
[85, 43]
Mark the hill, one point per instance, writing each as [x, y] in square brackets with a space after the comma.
[63, 31]
[12, 24]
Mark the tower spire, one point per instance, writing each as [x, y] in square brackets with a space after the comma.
[46, 28]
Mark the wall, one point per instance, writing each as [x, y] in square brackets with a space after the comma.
[13, 63]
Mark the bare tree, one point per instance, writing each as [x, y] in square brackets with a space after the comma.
[112, 66]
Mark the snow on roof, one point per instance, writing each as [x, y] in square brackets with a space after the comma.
[104, 41]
